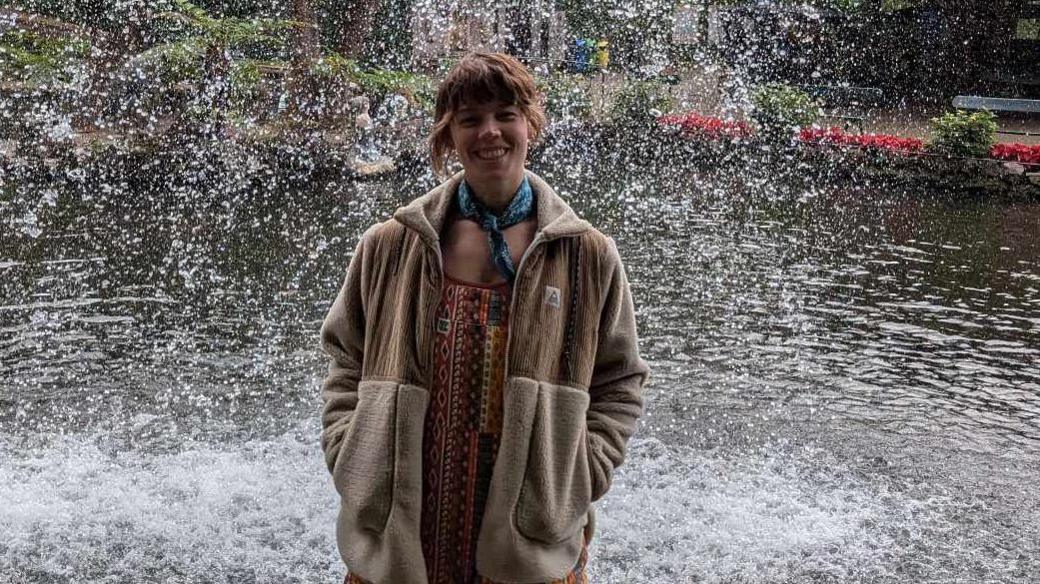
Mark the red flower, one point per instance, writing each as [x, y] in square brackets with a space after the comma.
[1024, 153]
[838, 137]
[694, 124]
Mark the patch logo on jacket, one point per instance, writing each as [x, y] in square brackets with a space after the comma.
[552, 296]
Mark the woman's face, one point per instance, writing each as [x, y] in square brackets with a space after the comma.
[491, 142]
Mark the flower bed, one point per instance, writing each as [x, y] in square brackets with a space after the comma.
[713, 128]
[1021, 153]
[838, 137]
[694, 124]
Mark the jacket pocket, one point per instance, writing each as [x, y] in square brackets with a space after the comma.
[378, 439]
[557, 486]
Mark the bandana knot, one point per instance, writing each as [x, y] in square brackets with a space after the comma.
[519, 209]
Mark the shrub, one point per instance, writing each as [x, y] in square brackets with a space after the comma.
[638, 103]
[378, 84]
[781, 110]
[566, 96]
[964, 134]
[28, 56]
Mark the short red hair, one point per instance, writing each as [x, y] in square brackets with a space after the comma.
[483, 78]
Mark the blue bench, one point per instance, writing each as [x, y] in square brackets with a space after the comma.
[1029, 107]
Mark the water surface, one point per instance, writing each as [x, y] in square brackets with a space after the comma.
[846, 381]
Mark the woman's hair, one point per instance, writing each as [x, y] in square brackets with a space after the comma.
[483, 78]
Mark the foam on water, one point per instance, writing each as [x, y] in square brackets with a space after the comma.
[264, 511]
[261, 511]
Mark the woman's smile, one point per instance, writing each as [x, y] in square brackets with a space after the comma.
[491, 153]
[491, 141]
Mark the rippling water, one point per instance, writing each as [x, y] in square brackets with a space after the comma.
[846, 381]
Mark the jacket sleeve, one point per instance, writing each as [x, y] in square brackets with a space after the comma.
[343, 339]
[618, 376]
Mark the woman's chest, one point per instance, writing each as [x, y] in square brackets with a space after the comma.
[467, 251]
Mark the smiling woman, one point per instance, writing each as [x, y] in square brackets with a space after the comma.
[491, 142]
[485, 374]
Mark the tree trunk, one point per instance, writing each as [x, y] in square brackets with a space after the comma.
[306, 48]
[360, 16]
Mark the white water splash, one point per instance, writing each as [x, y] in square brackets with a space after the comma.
[264, 511]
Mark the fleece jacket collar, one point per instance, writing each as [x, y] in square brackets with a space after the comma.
[426, 214]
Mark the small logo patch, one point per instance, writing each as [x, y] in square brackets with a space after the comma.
[552, 296]
[443, 325]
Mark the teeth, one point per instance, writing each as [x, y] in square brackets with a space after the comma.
[491, 154]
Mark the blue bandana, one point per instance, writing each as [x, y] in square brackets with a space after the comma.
[519, 208]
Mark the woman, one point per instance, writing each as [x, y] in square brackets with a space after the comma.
[485, 373]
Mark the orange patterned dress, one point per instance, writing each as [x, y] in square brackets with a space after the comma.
[462, 431]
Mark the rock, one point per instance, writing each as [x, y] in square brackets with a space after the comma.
[360, 103]
[1034, 177]
[1014, 169]
[8, 148]
[363, 121]
[376, 168]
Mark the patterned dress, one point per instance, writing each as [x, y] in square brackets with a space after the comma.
[462, 431]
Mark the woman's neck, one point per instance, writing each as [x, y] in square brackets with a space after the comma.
[495, 197]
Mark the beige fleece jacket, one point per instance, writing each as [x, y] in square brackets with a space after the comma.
[572, 394]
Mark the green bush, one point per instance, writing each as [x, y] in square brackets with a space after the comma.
[381, 83]
[28, 56]
[637, 103]
[378, 84]
[780, 110]
[964, 134]
[566, 96]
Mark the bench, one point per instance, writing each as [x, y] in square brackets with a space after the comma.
[1000, 104]
[847, 103]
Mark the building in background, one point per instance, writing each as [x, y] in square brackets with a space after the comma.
[925, 50]
[533, 30]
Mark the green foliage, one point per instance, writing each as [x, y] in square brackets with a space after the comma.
[638, 103]
[566, 95]
[893, 5]
[377, 83]
[28, 56]
[174, 62]
[417, 88]
[110, 15]
[964, 134]
[780, 110]
[1028, 29]
[335, 66]
[192, 20]
[246, 81]
[191, 32]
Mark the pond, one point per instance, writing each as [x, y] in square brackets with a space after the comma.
[846, 380]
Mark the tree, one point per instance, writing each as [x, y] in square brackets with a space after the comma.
[359, 19]
[199, 49]
[305, 50]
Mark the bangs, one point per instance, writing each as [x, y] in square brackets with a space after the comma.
[481, 78]
[476, 82]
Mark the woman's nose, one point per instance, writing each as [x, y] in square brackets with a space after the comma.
[490, 130]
